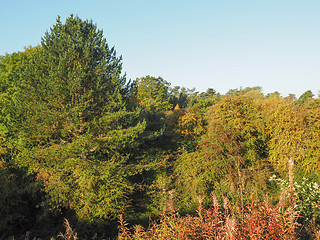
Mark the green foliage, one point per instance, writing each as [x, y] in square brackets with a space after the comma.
[186, 123]
[186, 126]
[181, 96]
[188, 98]
[275, 94]
[151, 94]
[305, 97]
[286, 129]
[307, 194]
[231, 151]
[12, 72]
[100, 147]
[310, 162]
[19, 200]
[71, 126]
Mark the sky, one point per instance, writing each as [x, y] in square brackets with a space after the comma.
[219, 44]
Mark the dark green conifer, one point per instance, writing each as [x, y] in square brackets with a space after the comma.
[72, 126]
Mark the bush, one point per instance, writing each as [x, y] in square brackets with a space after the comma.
[307, 194]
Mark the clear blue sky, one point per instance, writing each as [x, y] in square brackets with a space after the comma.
[221, 44]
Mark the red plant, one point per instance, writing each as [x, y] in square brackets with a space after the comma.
[260, 220]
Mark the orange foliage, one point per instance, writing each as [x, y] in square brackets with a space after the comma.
[260, 221]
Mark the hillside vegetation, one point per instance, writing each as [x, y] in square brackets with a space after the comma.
[85, 153]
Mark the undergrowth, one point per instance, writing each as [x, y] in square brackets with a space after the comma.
[258, 220]
[255, 219]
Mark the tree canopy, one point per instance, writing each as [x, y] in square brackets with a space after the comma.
[152, 94]
[72, 128]
[79, 140]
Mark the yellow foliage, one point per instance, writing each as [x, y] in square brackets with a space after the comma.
[286, 128]
[190, 124]
[311, 162]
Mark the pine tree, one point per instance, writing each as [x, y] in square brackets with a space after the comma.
[74, 131]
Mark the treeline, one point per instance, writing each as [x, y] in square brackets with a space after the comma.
[79, 141]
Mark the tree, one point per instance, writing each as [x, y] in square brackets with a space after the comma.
[185, 97]
[12, 72]
[275, 94]
[152, 94]
[72, 126]
[230, 153]
[311, 142]
[179, 96]
[286, 129]
[208, 94]
[305, 97]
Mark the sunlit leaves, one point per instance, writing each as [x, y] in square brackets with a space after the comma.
[234, 141]
[65, 111]
[286, 128]
[311, 161]
[151, 94]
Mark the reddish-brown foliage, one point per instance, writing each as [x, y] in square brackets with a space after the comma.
[259, 220]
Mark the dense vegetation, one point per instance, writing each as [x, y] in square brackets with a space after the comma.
[79, 141]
